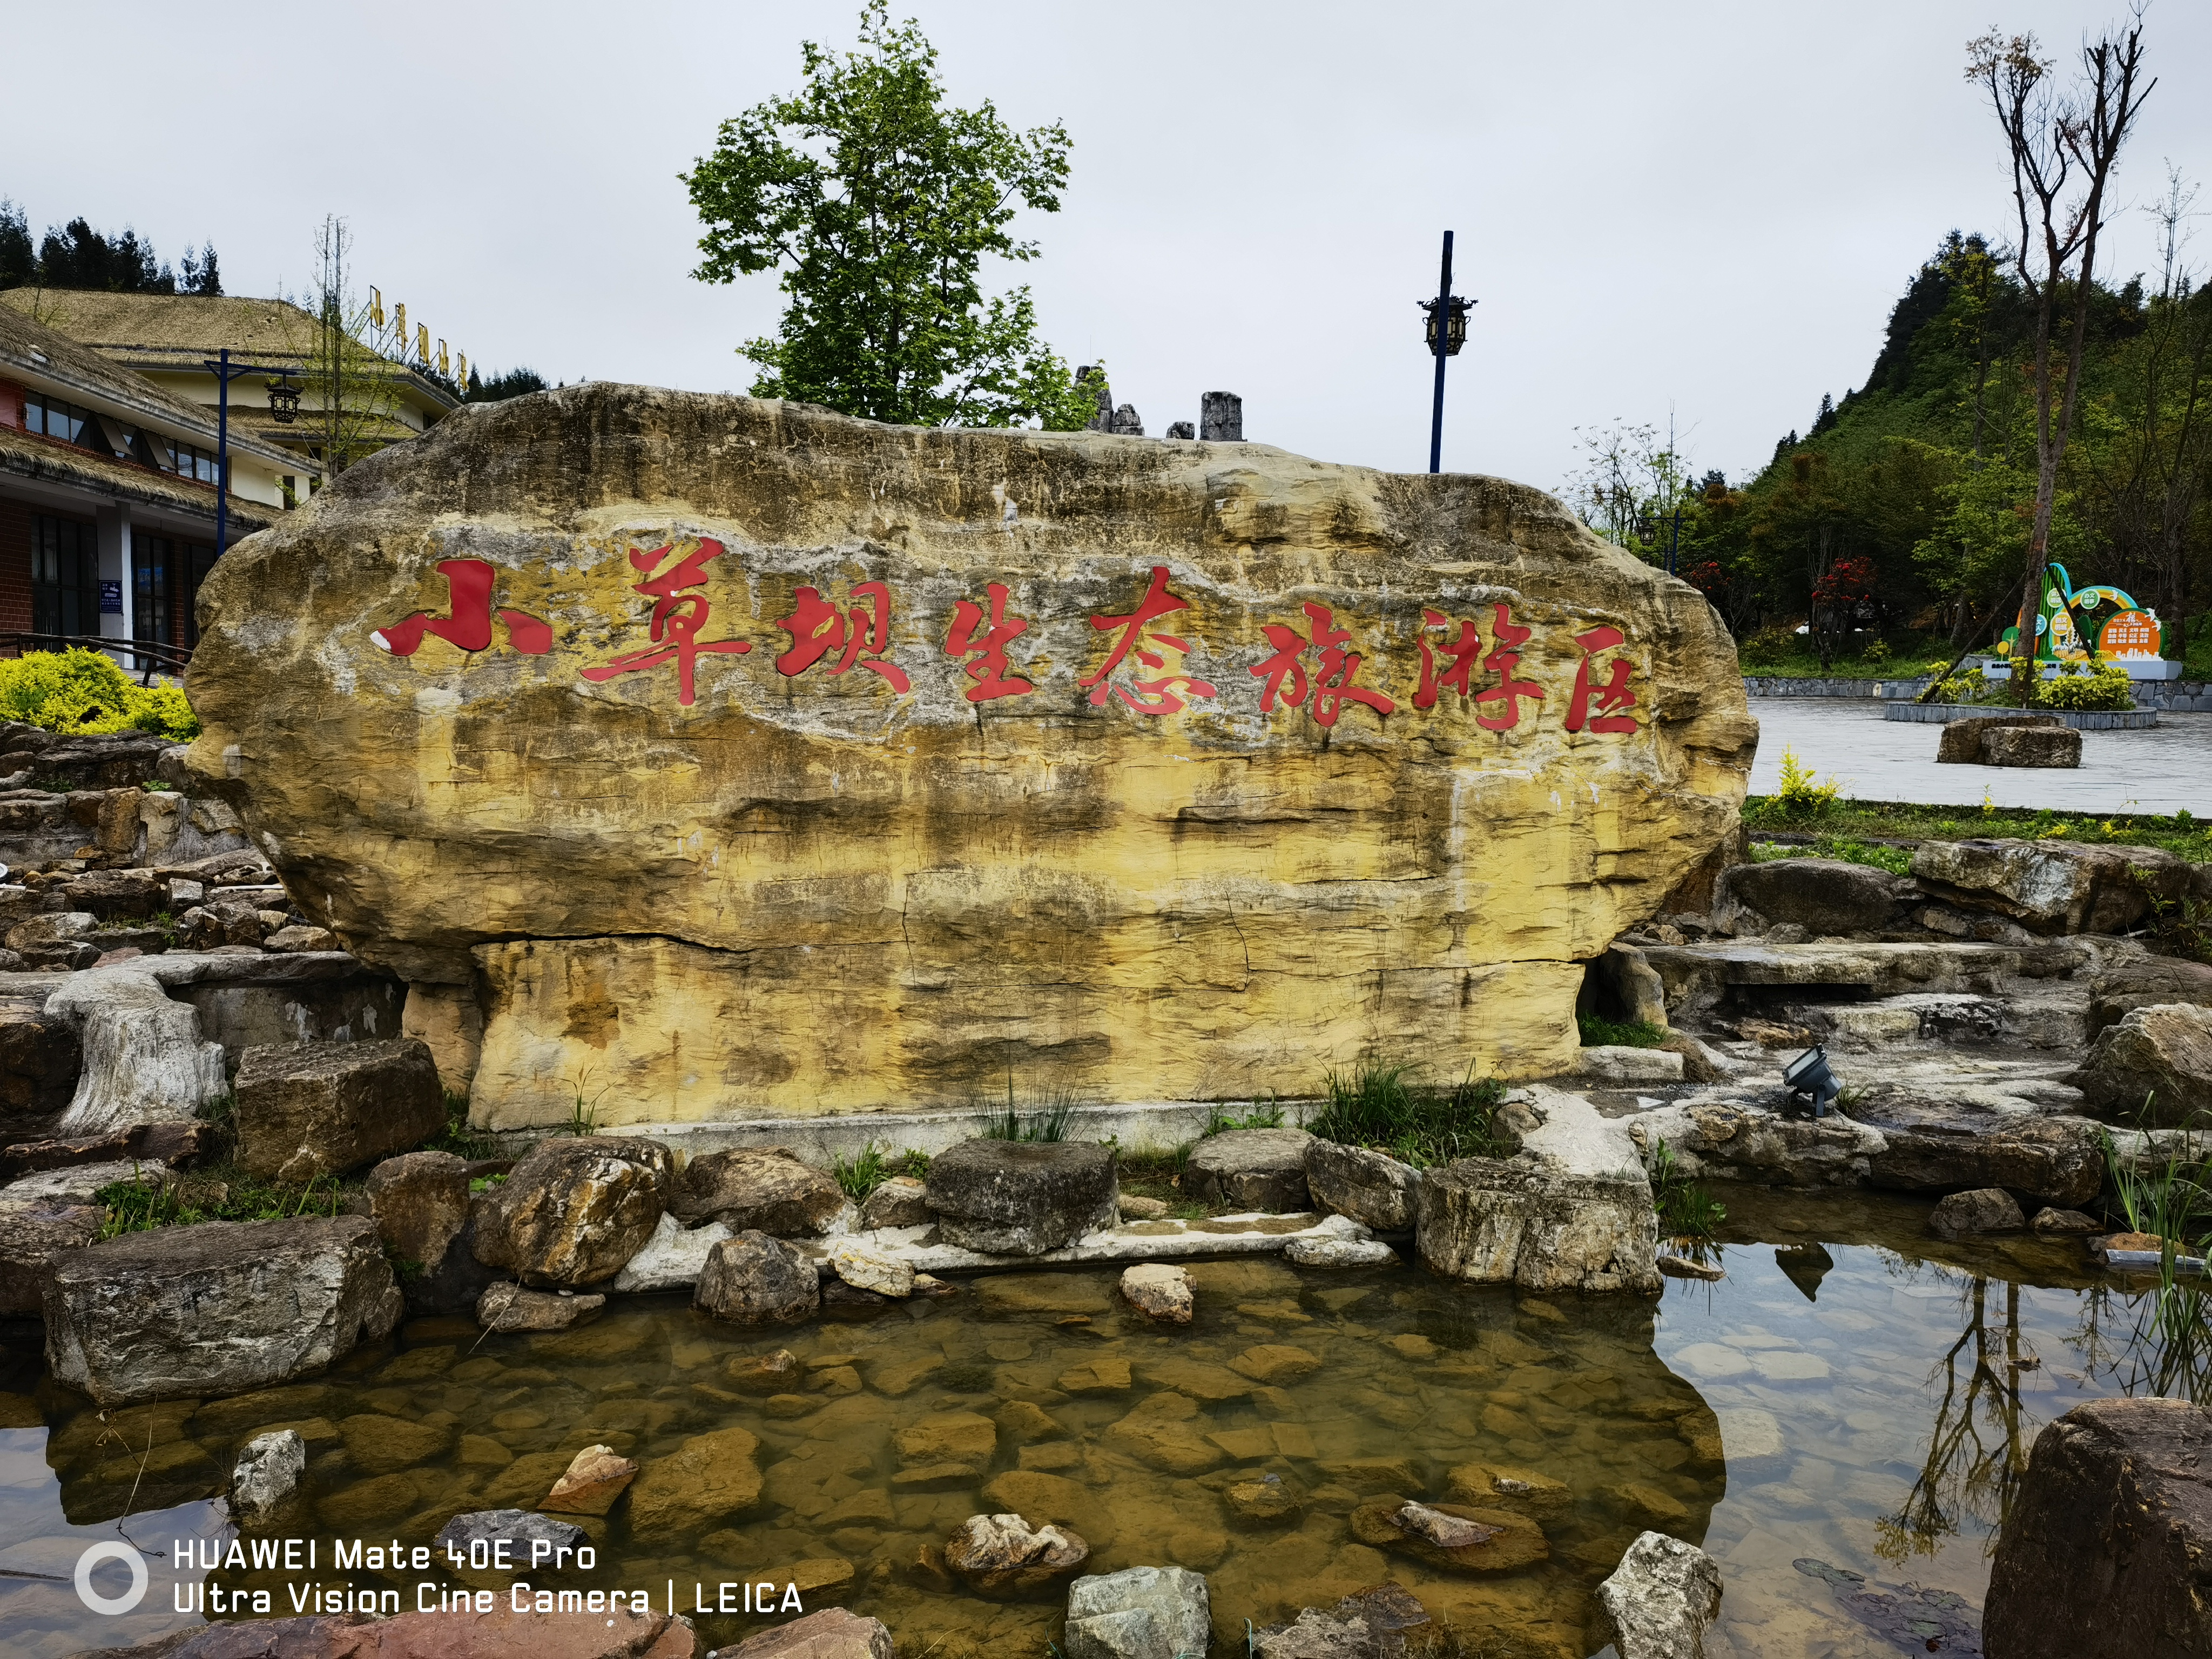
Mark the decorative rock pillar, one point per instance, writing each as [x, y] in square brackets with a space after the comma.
[1221, 418]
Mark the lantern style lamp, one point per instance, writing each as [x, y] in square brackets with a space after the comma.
[284, 401]
[1456, 310]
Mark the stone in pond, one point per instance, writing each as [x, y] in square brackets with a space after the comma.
[1142, 1613]
[267, 1475]
[590, 1484]
[956, 1438]
[709, 1479]
[1271, 1363]
[1002, 1558]
[420, 1201]
[520, 1528]
[315, 1109]
[2102, 1555]
[1964, 1215]
[1021, 1198]
[865, 1269]
[575, 1210]
[379, 1443]
[900, 1201]
[223, 1308]
[1246, 1170]
[1164, 1431]
[765, 1374]
[2033, 746]
[826, 1633]
[1661, 1598]
[509, 1307]
[1370, 1624]
[2048, 1220]
[329, 665]
[1160, 1290]
[1340, 1253]
[1507, 1542]
[1576, 1218]
[1372, 1188]
[1516, 1490]
[1681, 1267]
[1042, 1496]
[1101, 1375]
[1266, 1502]
[766, 1191]
[754, 1279]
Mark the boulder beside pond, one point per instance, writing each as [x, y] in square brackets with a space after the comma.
[313, 1109]
[1661, 1599]
[1141, 1613]
[2103, 1554]
[2154, 1069]
[1021, 1197]
[1247, 1170]
[754, 1279]
[766, 1191]
[576, 1210]
[219, 1309]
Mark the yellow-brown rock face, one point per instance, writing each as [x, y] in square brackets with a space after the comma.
[746, 759]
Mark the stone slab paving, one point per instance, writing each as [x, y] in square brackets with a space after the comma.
[2163, 770]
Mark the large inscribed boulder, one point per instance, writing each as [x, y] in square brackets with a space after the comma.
[752, 759]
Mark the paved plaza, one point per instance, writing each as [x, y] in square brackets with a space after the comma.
[2161, 770]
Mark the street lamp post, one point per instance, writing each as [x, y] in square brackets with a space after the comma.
[283, 403]
[1447, 333]
[1648, 533]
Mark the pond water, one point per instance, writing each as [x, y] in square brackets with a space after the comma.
[1875, 1395]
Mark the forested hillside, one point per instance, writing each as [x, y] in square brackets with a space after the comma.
[1905, 508]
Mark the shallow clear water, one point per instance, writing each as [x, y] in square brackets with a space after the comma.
[1874, 1425]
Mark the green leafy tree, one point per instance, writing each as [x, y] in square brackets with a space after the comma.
[880, 202]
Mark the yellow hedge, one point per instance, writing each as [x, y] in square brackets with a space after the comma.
[82, 690]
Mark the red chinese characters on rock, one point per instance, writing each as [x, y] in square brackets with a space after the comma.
[677, 616]
[468, 621]
[991, 671]
[1332, 671]
[1611, 697]
[1497, 707]
[818, 628]
[1462, 652]
[1157, 695]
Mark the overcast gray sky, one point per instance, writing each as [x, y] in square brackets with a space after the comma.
[1706, 207]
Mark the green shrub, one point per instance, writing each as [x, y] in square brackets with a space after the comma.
[1269, 1116]
[1771, 645]
[1686, 1209]
[1373, 1105]
[1801, 794]
[2106, 687]
[81, 690]
[1897, 861]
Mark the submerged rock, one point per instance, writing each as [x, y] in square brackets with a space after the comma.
[1371, 1623]
[1021, 1198]
[218, 1309]
[1142, 1613]
[827, 1634]
[520, 1528]
[1245, 1170]
[709, 1479]
[575, 1210]
[1497, 1541]
[1661, 1599]
[754, 1279]
[509, 1307]
[1340, 1253]
[314, 1109]
[1002, 1556]
[765, 1374]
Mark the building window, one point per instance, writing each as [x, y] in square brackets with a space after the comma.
[54, 418]
[65, 577]
[152, 559]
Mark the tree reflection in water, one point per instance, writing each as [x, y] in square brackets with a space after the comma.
[1975, 1452]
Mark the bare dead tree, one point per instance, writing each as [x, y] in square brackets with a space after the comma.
[2064, 146]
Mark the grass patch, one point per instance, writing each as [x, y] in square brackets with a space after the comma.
[457, 1137]
[226, 1194]
[1686, 1209]
[861, 1175]
[1599, 1032]
[2181, 833]
[1149, 1172]
[1781, 651]
[1898, 861]
[1269, 1116]
[1375, 1105]
[1049, 1119]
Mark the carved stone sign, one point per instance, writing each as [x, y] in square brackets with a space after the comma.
[730, 757]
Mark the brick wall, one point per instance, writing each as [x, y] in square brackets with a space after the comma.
[15, 567]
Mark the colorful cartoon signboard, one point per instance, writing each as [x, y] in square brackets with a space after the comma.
[2070, 616]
